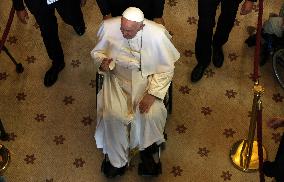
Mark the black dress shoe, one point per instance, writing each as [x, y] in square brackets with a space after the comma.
[197, 72]
[269, 169]
[110, 171]
[251, 40]
[4, 136]
[52, 74]
[148, 166]
[80, 30]
[218, 57]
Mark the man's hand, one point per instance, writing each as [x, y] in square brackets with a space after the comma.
[159, 20]
[246, 7]
[83, 3]
[275, 123]
[105, 17]
[146, 103]
[105, 64]
[23, 16]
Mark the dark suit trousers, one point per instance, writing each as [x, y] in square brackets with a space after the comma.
[151, 8]
[207, 12]
[70, 12]
[279, 161]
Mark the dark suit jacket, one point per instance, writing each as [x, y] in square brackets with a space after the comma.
[33, 5]
[18, 4]
[151, 8]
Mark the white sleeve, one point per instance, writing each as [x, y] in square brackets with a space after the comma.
[99, 52]
[159, 84]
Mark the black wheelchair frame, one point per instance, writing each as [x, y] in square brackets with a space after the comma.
[276, 50]
[278, 66]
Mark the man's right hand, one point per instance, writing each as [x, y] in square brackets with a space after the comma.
[246, 7]
[105, 64]
[23, 16]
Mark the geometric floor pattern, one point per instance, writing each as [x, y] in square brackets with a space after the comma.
[51, 129]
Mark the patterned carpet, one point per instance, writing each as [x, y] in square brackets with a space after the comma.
[51, 129]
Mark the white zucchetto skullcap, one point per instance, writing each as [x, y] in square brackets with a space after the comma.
[133, 14]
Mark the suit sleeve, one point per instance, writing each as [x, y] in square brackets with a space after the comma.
[18, 5]
[104, 6]
[158, 8]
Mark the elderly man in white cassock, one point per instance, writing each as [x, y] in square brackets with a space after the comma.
[137, 59]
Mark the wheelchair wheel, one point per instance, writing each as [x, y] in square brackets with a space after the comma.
[99, 82]
[168, 99]
[278, 66]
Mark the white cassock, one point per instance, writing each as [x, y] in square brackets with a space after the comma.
[120, 125]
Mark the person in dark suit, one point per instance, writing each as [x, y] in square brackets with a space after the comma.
[44, 13]
[152, 9]
[204, 42]
[276, 168]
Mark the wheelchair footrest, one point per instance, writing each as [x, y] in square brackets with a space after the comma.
[143, 171]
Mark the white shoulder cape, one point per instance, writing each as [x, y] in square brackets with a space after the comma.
[158, 54]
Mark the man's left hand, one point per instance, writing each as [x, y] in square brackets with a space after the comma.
[246, 7]
[83, 3]
[146, 103]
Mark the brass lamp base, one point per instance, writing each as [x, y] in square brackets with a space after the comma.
[238, 156]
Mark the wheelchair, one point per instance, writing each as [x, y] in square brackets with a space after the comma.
[278, 65]
[271, 46]
[156, 148]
